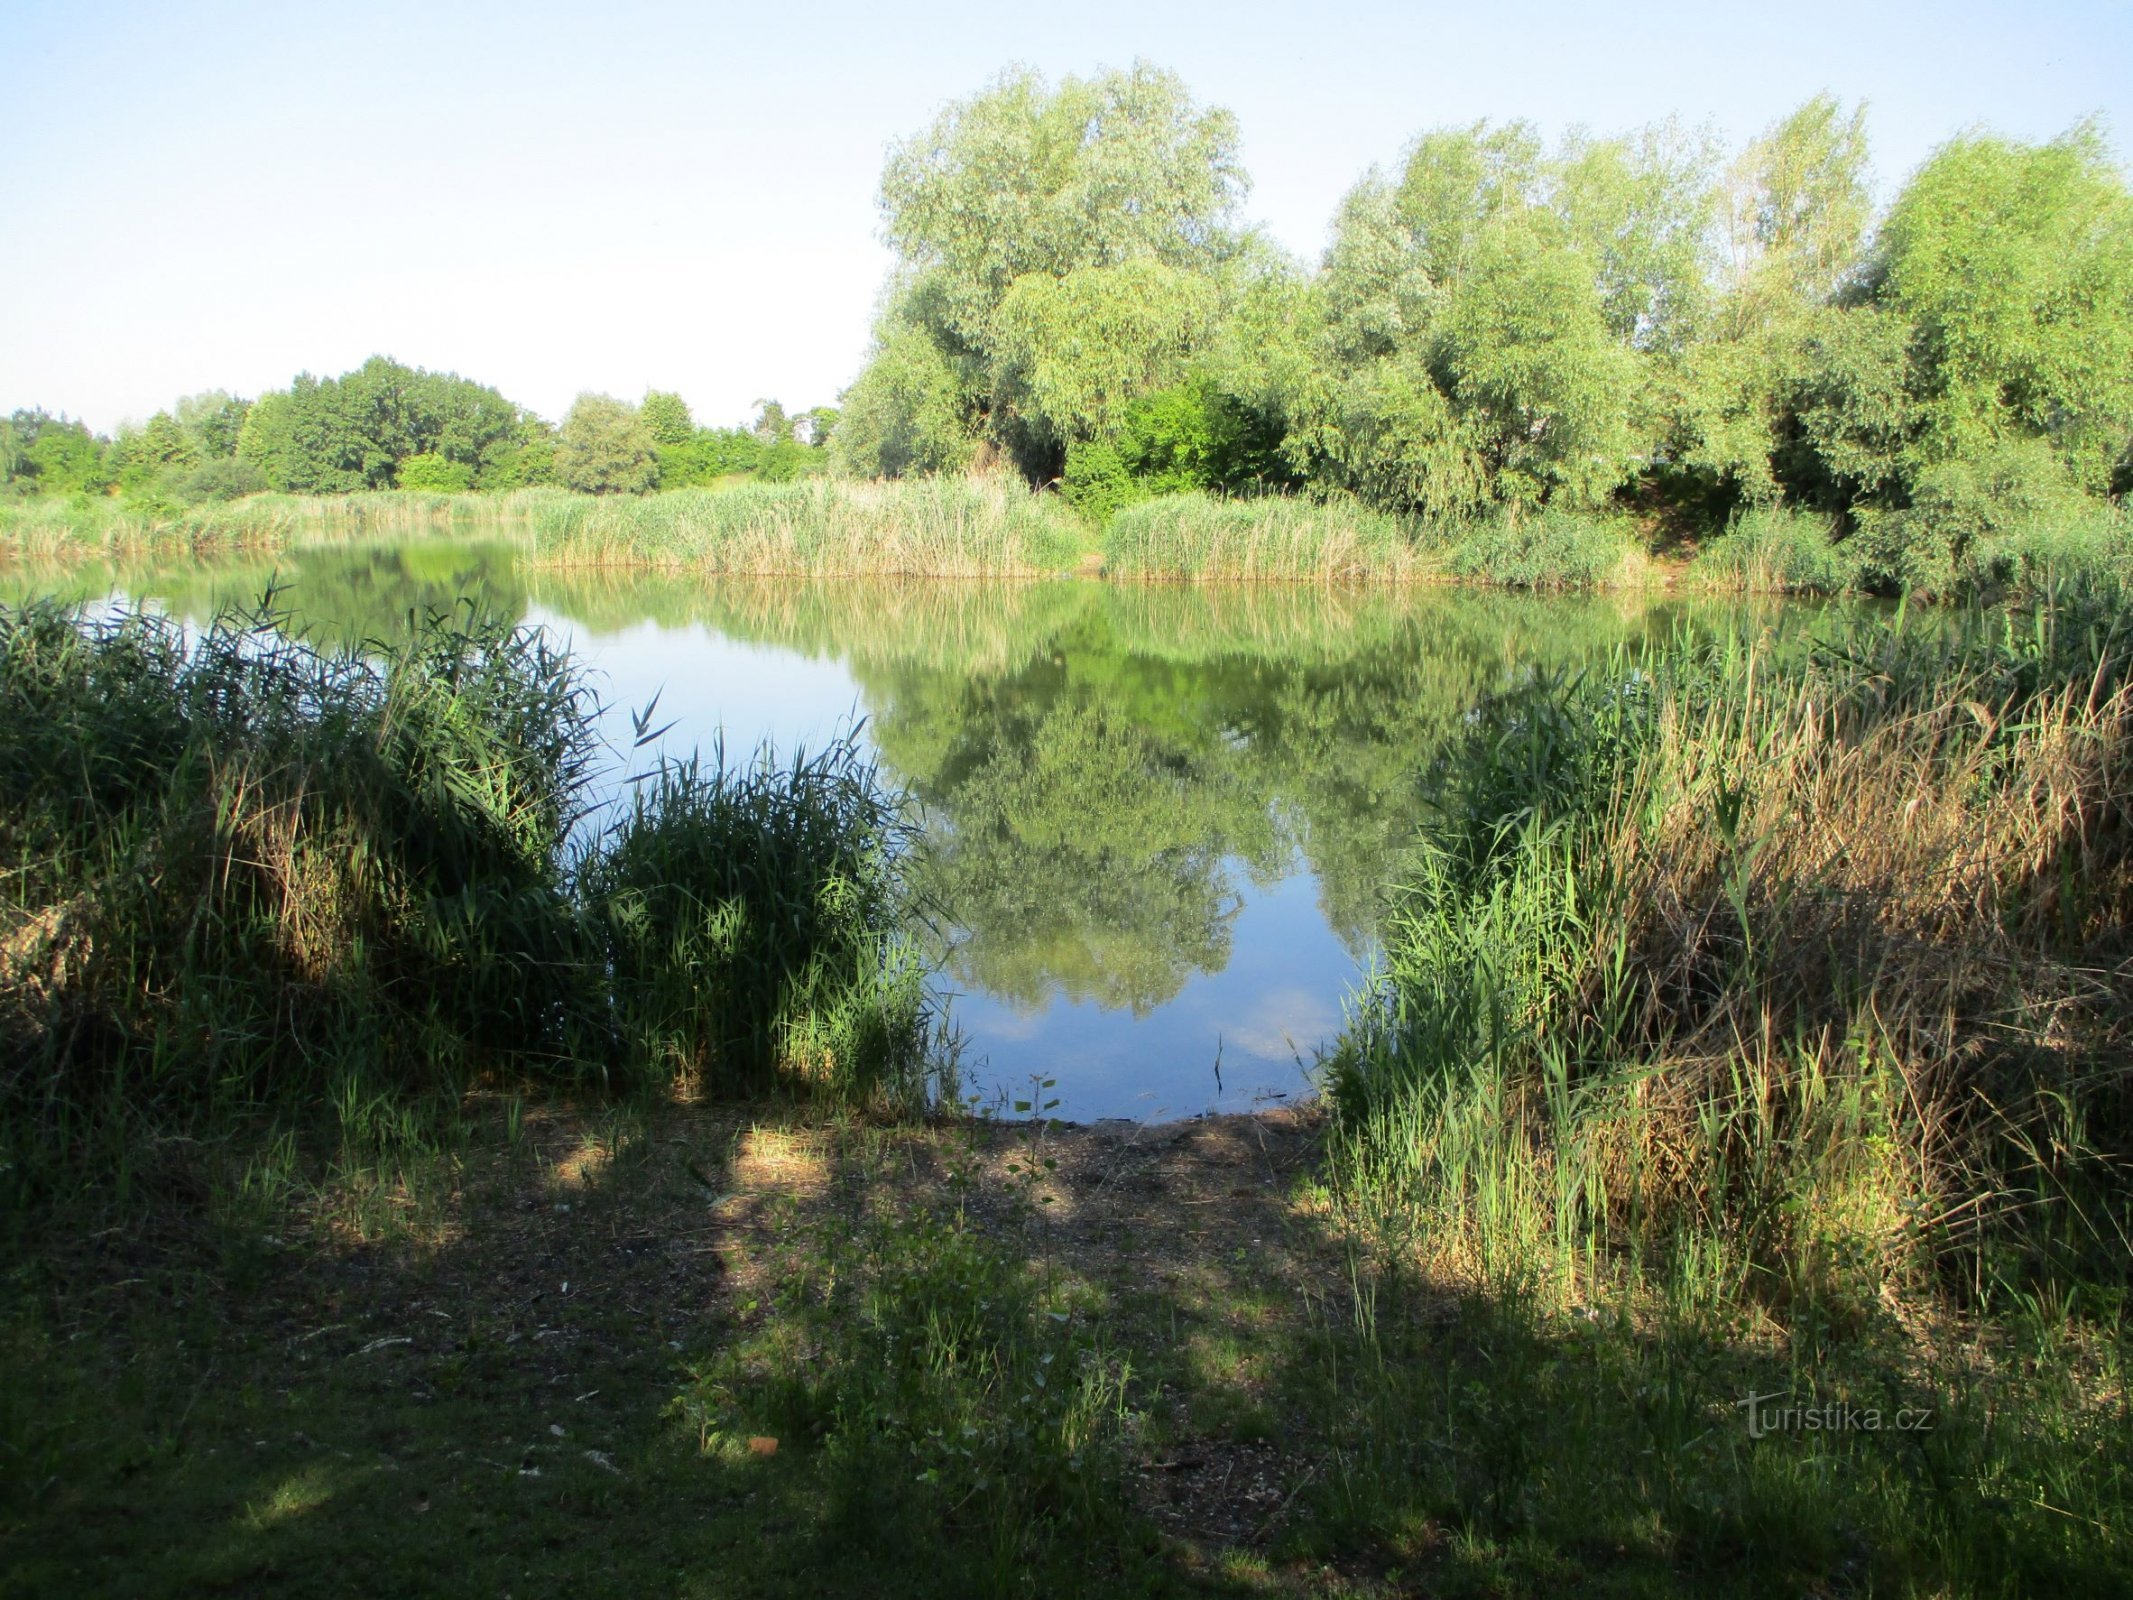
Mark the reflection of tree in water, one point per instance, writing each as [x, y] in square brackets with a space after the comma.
[342, 594]
[1091, 810]
[1104, 768]
[1079, 851]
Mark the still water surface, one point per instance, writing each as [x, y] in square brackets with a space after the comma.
[1158, 821]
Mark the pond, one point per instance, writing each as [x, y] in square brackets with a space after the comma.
[1158, 822]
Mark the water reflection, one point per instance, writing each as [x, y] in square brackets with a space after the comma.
[1158, 820]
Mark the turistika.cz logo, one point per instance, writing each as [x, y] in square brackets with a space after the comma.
[1778, 1412]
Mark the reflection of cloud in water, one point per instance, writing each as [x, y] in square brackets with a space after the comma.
[1283, 1024]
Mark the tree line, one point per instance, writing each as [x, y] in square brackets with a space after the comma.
[387, 425]
[1642, 320]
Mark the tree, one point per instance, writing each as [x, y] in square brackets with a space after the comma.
[907, 412]
[604, 447]
[58, 455]
[435, 473]
[1017, 209]
[352, 432]
[212, 420]
[1796, 210]
[666, 417]
[1481, 323]
[2013, 266]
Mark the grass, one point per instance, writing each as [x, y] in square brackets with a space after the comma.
[244, 877]
[936, 527]
[1274, 539]
[1777, 551]
[99, 528]
[1679, 1037]
[2080, 547]
[1551, 550]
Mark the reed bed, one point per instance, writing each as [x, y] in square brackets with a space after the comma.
[1274, 539]
[85, 529]
[819, 527]
[1754, 1021]
[241, 875]
[1549, 550]
[1782, 551]
[1804, 957]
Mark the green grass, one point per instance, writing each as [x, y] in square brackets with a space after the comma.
[1550, 550]
[2079, 546]
[1277, 538]
[244, 877]
[936, 527]
[101, 528]
[1777, 551]
[1689, 1060]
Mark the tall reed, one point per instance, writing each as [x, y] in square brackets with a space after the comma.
[1278, 538]
[1805, 972]
[241, 872]
[817, 527]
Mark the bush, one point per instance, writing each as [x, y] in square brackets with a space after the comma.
[433, 472]
[1773, 550]
[243, 872]
[752, 922]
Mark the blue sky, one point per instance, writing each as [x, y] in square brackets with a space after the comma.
[554, 198]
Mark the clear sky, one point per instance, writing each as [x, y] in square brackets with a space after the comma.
[553, 198]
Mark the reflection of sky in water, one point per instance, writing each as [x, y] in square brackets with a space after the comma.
[1267, 1012]
[707, 684]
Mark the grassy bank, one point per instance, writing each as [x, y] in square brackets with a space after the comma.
[247, 880]
[1279, 538]
[1275, 539]
[1760, 1001]
[85, 528]
[964, 528]
[2084, 547]
[935, 527]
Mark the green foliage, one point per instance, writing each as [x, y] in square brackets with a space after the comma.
[333, 435]
[435, 473]
[707, 456]
[907, 413]
[1486, 319]
[526, 462]
[944, 527]
[1777, 550]
[1193, 436]
[1274, 536]
[604, 447]
[231, 854]
[958, 1407]
[751, 918]
[2013, 266]
[214, 420]
[1019, 213]
[1554, 549]
[1628, 867]
[244, 871]
[666, 418]
[44, 454]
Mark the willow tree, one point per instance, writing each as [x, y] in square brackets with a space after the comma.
[1059, 252]
[604, 447]
[1483, 319]
[2013, 266]
[1792, 220]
